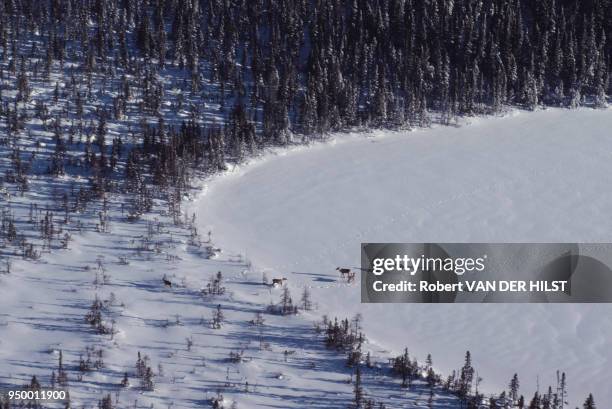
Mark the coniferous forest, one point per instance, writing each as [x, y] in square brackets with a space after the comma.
[277, 71]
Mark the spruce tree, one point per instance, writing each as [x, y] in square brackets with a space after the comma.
[589, 403]
[514, 388]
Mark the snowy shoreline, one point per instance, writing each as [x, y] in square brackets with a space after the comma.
[234, 187]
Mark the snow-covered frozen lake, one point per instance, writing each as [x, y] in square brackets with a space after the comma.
[541, 176]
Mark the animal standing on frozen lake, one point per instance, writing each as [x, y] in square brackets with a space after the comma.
[344, 272]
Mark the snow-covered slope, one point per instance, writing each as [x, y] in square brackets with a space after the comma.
[540, 176]
[44, 301]
[43, 306]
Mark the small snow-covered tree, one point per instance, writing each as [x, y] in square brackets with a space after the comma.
[62, 376]
[217, 318]
[147, 380]
[306, 302]
[589, 403]
[357, 389]
[466, 377]
[514, 388]
[106, 402]
[286, 303]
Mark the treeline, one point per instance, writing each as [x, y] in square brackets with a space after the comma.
[310, 66]
[134, 97]
[346, 336]
[187, 85]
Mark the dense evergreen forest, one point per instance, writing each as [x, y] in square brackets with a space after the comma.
[136, 95]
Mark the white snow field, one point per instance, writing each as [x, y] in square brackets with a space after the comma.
[542, 177]
[43, 304]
